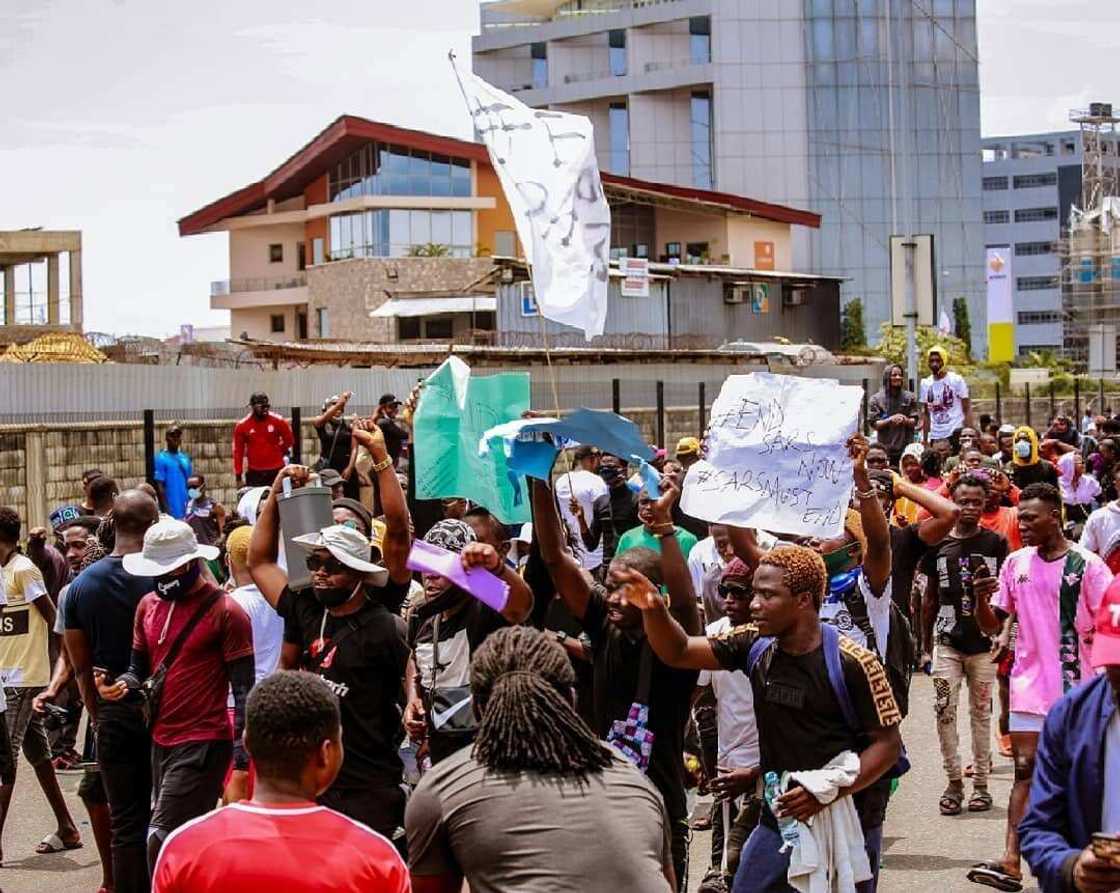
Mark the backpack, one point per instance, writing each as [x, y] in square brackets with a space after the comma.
[830, 641]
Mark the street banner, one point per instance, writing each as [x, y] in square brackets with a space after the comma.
[777, 456]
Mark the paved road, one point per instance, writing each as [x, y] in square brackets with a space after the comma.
[924, 852]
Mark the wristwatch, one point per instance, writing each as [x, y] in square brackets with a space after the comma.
[561, 636]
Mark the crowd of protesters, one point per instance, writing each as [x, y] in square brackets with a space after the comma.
[382, 729]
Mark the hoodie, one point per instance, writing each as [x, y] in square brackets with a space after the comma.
[1032, 470]
[886, 403]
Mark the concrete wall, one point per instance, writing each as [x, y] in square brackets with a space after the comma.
[257, 323]
[350, 289]
[248, 250]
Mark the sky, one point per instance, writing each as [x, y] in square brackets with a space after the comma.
[121, 116]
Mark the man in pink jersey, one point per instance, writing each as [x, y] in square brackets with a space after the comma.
[1054, 588]
[282, 839]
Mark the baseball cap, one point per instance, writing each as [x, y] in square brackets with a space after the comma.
[1106, 639]
[349, 546]
[328, 477]
[168, 544]
[686, 446]
[388, 400]
[1006, 429]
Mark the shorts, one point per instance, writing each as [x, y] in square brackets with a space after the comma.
[1025, 722]
[25, 727]
[91, 789]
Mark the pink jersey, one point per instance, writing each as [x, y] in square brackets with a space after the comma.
[1029, 587]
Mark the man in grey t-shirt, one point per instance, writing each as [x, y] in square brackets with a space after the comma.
[540, 803]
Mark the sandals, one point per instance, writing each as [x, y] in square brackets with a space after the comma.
[980, 801]
[951, 800]
[994, 875]
[52, 843]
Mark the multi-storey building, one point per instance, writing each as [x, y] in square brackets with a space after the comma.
[40, 283]
[376, 233]
[1029, 184]
[867, 112]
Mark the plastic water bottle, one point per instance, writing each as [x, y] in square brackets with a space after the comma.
[772, 790]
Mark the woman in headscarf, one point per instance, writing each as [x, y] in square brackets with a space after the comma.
[893, 412]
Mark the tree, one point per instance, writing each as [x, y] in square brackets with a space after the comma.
[853, 335]
[431, 249]
[962, 325]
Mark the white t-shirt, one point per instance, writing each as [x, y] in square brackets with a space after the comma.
[268, 629]
[1102, 531]
[738, 732]
[942, 397]
[1110, 814]
[705, 565]
[587, 487]
[835, 612]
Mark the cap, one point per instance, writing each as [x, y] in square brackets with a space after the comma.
[168, 544]
[914, 451]
[736, 567]
[688, 446]
[1106, 639]
[1006, 429]
[357, 508]
[258, 398]
[450, 534]
[388, 400]
[349, 546]
[525, 534]
[328, 477]
[174, 428]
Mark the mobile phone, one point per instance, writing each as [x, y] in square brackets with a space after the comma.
[980, 567]
[1106, 847]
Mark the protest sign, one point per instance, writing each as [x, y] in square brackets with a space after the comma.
[606, 430]
[455, 409]
[492, 591]
[545, 161]
[776, 456]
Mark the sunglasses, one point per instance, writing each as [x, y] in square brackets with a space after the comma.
[740, 593]
[328, 565]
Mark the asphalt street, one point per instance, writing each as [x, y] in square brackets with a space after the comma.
[924, 852]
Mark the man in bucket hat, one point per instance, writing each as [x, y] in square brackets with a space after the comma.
[192, 644]
[341, 630]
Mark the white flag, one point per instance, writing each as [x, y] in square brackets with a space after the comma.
[943, 324]
[546, 163]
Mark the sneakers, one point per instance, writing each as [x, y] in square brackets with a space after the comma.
[713, 882]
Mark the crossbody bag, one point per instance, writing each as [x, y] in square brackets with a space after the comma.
[151, 689]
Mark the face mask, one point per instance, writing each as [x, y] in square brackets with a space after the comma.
[1023, 449]
[194, 493]
[172, 588]
[335, 595]
[610, 473]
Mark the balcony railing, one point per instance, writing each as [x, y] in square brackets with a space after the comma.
[264, 283]
[491, 21]
[671, 64]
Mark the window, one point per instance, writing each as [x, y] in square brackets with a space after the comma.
[672, 252]
[702, 174]
[619, 118]
[1029, 181]
[380, 169]
[63, 288]
[408, 328]
[301, 255]
[317, 254]
[438, 328]
[276, 322]
[30, 296]
[1036, 283]
[1039, 317]
[275, 254]
[323, 322]
[993, 183]
[538, 52]
[696, 253]
[1027, 349]
[700, 39]
[997, 216]
[397, 232]
[1031, 215]
[616, 48]
[1030, 249]
[505, 243]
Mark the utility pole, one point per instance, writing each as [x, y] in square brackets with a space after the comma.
[911, 315]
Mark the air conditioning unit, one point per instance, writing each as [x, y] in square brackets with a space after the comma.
[794, 297]
[736, 294]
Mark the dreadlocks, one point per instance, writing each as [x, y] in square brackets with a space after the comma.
[521, 681]
[802, 570]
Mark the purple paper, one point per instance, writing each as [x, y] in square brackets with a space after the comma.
[492, 591]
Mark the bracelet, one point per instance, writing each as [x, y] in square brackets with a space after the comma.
[867, 494]
[382, 465]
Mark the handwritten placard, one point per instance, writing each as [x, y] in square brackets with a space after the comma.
[776, 455]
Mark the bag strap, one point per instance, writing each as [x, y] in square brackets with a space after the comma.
[830, 639]
[758, 649]
[352, 626]
[180, 640]
[645, 673]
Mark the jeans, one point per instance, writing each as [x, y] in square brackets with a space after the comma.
[124, 757]
[763, 869]
[950, 669]
[186, 783]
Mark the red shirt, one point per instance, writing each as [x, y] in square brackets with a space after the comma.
[193, 706]
[265, 440]
[252, 847]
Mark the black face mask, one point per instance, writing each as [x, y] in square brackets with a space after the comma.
[335, 595]
[610, 473]
[172, 588]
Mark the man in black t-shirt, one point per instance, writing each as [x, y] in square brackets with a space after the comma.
[627, 674]
[395, 434]
[341, 630]
[961, 651]
[614, 513]
[335, 445]
[801, 720]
